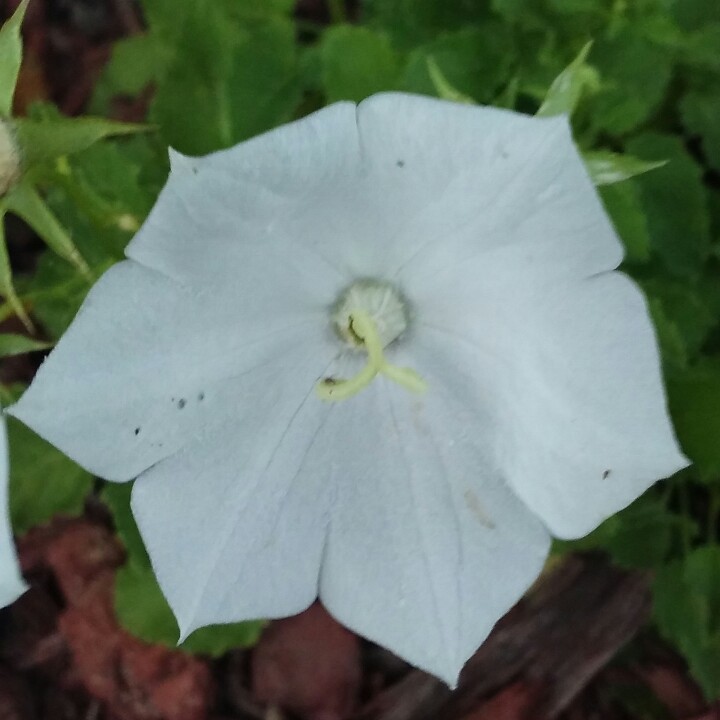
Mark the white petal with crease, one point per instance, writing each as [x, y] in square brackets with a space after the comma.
[234, 523]
[145, 364]
[590, 430]
[440, 547]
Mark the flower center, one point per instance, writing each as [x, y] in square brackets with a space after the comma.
[368, 316]
[382, 302]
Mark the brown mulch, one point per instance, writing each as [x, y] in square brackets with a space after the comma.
[63, 654]
[61, 639]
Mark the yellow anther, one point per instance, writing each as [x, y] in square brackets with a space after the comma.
[362, 326]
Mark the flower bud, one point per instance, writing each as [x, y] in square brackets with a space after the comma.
[9, 158]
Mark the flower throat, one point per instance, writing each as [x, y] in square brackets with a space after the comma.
[369, 315]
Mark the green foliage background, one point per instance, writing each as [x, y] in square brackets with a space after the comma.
[224, 70]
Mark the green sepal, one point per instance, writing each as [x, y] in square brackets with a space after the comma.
[44, 140]
[25, 201]
[7, 287]
[568, 87]
[607, 168]
[10, 58]
[11, 344]
[443, 88]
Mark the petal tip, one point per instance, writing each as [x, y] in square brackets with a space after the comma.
[11, 591]
[181, 164]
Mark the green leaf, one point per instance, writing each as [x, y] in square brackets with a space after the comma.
[623, 204]
[607, 167]
[444, 90]
[412, 22]
[249, 10]
[43, 140]
[568, 87]
[696, 14]
[694, 398]
[141, 607]
[635, 74]
[191, 104]
[686, 597]
[168, 18]
[338, 11]
[572, 7]
[108, 191]
[264, 86]
[357, 62]
[701, 114]
[43, 482]
[641, 536]
[475, 61]
[527, 13]
[117, 497]
[675, 203]
[143, 611]
[227, 83]
[508, 97]
[672, 345]
[24, 201]
[56, 293]
[136, 62]
[103, 194]
[20, 344]
[10, 58]
[139, 603]
[686, 307]
[699, 49]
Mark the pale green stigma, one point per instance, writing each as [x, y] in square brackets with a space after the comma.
[369, 316]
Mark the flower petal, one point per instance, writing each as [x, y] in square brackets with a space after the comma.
[284, 192]
[463, 181]
[402, 183]
[142, 369]
[582, 421]
[427, 546]
[11, 582]
[234, 523]
[590, 429]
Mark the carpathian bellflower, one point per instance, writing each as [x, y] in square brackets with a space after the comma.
[379, 355]
[11, 582]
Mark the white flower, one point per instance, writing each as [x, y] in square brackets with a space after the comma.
[11, 582]
[448, 270]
